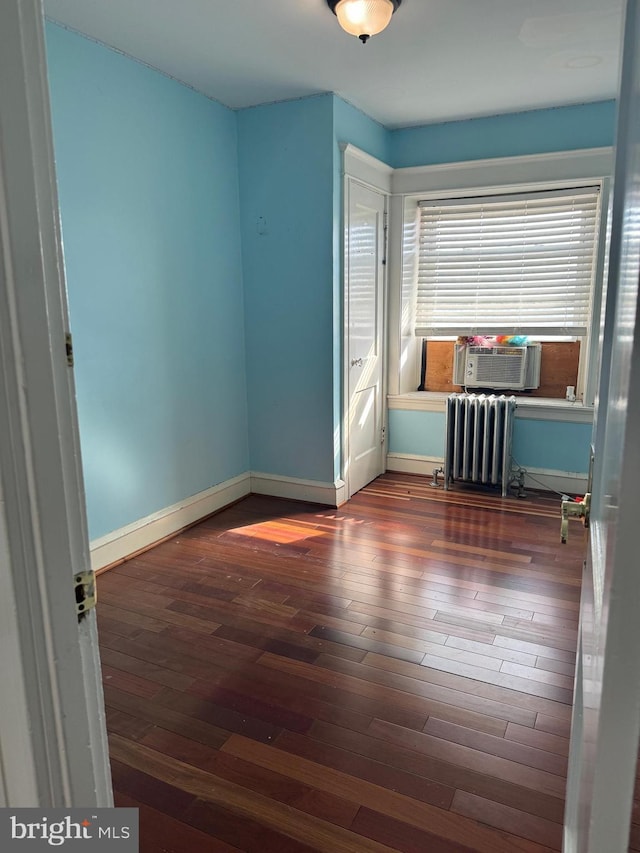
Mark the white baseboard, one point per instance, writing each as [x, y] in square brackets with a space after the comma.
[135, 537]
[141, 534]
[535, 478]
[556, 481]
[315, 491]
[407, 463]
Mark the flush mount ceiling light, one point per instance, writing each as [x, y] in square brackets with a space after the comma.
[363, 18]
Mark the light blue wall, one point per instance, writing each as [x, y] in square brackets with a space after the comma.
[353, 126]
[287, 206]
[148, 184]
[169, 201]
[554, 445]
[533, 132]
[416, 433]
[537, 444]
[291, 213]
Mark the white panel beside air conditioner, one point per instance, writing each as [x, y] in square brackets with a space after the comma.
[512, 368]
[532, 373]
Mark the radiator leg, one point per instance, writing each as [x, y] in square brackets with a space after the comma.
[434, 483]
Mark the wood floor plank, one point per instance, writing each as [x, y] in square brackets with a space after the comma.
[502, 817]
[410, 627]
[324, 805]
[252, 707]
[395, 675]
[159, 832]
[401, 836]
[468, 681]
[538, 674]
[128, 617]
[165, 616]
[549, 592]
[403, 640]
[510, 675]
[537, 603]
[450, 652]
[320, 697]
[374, 579]
[328, 807]
[135, 666]
[499, 653]
[481, 761]
[209, 711]
[410, 693]
[130, 683]
[368, 769]
[539, 739]
[535, 648]
[362, 642]
[160, 794]
[387, 802]
[152, 712]
[429, 598]
[296, 645]
[299, 703]
[553, 725]
[486, 552]
[425, 767]
[504, 747]
[127, 725]
[248, 835]
[418, 616]
[321, 835]
[551, 665]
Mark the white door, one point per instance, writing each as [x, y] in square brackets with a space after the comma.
[52, 734]
[606, 715]
[364, 309]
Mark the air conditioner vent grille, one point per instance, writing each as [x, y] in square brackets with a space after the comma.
[504, 370]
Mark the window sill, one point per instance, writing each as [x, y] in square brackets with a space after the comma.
[532, 408]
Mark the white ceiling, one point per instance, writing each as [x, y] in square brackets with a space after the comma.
[438, 60]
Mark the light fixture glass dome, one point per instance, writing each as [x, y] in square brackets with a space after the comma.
[363, 18]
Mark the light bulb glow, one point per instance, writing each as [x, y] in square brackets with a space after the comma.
[364, 17]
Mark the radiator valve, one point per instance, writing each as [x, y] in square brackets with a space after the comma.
[574, 509]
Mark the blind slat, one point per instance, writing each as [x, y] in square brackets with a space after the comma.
[505, 264]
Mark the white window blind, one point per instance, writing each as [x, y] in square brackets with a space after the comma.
[508, 264]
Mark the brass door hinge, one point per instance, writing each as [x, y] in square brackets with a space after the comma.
[68, 342]
[86, 594]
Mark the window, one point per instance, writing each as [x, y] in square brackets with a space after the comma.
[517, 263]
[508, 264]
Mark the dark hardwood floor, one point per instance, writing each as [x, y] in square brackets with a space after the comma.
[393, 675]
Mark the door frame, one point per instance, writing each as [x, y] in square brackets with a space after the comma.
[606, 715]
[374, 175]
[53, 747]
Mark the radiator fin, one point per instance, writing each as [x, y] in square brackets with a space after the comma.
[479, 431]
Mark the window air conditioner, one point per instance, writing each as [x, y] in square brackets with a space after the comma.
[512, 368]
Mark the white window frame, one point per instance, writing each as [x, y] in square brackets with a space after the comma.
[564, 169]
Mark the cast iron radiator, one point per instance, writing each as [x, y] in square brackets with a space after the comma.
[478, 439]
